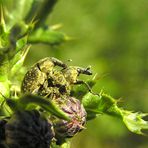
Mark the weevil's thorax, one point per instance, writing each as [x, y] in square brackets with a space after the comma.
[46, 65]
[58, 77]
[71, 74]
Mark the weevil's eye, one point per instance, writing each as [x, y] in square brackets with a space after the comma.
[79, 70]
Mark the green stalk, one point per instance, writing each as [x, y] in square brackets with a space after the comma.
[48, 105]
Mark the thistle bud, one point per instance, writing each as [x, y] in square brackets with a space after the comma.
[27, 129]
[2, 129]
[67, 129]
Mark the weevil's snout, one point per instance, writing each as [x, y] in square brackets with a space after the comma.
[86, 71]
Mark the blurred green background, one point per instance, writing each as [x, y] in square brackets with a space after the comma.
[112, 37]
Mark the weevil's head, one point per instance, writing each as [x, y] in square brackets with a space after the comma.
[72, 72]
[46, 65]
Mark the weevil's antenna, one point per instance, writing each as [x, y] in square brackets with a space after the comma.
[68, 61]
[89, 67]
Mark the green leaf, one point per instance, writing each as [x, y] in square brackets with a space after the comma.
[4, 91]
[47, 105]
[66, 145]
[47, 36]
[134, 121]
[16, 10]
[4, 81]
[4, 85]
[40, 10]
[4, 40]
[108, 104]
[104, 103]
[20, 50]
[4, 32]
[18, 60]
[91, 102]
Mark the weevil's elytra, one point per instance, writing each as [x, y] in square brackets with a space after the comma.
[33, 79]
[55, 85]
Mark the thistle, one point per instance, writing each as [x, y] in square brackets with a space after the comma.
[2, 130]
[48, 109]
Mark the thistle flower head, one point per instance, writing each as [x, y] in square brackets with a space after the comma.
[2, 129]
[74, 109]
[27, 129]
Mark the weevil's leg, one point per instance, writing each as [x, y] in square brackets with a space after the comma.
[84, 83]
[58, 62]
[35, 91]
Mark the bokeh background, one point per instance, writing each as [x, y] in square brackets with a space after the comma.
[112, 37]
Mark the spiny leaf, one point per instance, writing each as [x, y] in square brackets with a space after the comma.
[4, 32]
[2, 20]
[134, 121]
[91, 102]
[17, 11]
[18, 60]
[4, 81]
[5, 90]
[104, 103]
[47, 36]
[40, 10]
[27, 100]
[20, 49]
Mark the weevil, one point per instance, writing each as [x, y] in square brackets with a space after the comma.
[60, 82]
[43, 79]
[38, 74]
